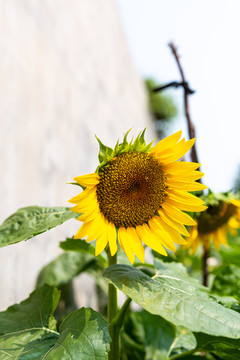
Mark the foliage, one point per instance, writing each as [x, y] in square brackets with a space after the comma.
[161, 106]
[178, 317]
[31, 221]
[28, 331]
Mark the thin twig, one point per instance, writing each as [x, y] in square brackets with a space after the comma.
[191, 128]
[175, 84]
[194, 157]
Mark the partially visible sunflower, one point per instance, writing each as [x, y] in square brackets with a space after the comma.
[137, 195]
[221, 217]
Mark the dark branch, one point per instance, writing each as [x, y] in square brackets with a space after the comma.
[191, 131]
[191, 128]
[176, 85]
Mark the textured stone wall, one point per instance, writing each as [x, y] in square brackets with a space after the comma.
[66, 75]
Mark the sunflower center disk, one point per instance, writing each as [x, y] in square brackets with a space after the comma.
[131, 189]
[215, 217]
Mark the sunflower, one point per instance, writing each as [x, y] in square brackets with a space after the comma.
[221, 217]
[137, 195]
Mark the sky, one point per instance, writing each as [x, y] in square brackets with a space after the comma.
[206, 34]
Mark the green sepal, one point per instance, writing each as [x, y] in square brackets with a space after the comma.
[75, 183]
[214, 199]
[103, 151]
[106, 154]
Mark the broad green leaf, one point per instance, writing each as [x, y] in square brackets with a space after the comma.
[222, 347]
[30, 221]
[65, 267]
[184, 341]
[83, 336]
[227, 281]
[176, 298]
[82, 246]
[70, 264]
[154, 333]
[28, 330]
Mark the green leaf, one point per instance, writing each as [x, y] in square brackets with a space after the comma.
[28, 330]
[224, 348]
[184, 342]
[153, 332]
[70, 264]
[82, 246]
[83, 336]
[96, 269]
[30, 221]
[231, 255]
[64, 268]
[227, 281]
[175, 297]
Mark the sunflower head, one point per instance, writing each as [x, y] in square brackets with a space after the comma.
[222, 216]
[138, 194]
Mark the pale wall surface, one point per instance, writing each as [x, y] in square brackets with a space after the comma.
[66, 75]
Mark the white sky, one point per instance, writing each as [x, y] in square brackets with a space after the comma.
[207, 34]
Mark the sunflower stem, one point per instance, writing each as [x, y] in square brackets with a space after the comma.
[119, 319]
[114, 330]
[205, 267]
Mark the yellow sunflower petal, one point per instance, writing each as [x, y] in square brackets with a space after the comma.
[186, 207]
[85, 206]
[112, 239]
[166, 143]
[92, 229]
[98, 227]
[175, 235]
[222, 235]
[181, 167]
[177, 214]
[193, 234]
[123, 241]
[89, 215]
[160, 232]
[184, 197]
[83, 195]
[179, 150]
[101, 243]
[185, 185]
[150, 239]
[187, 176]
[83, 231]
[87, 180]
[135, 243]
[194, 240]
[174, 224]
[234, 223]
[235, 202]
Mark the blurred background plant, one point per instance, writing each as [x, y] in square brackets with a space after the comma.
[236, 185]
[162, 108]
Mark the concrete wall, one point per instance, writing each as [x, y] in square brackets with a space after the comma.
[65, 75]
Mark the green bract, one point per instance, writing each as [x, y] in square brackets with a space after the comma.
[106, 153]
